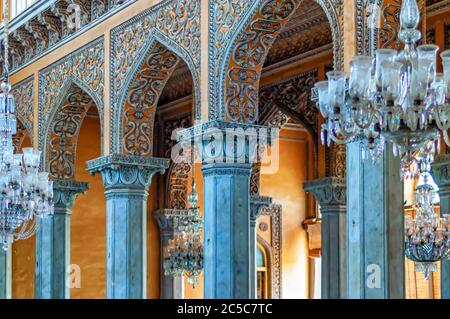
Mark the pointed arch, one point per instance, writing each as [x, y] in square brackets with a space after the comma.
[61, 135]
[139, 99]
[242, 66]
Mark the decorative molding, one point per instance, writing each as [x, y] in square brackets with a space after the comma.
[275, 211]
[257, 204]
[23, 93]
[174, 24]
[65, 192]
[125, 171]
[43, 27]
[85, 69]
[330, 192]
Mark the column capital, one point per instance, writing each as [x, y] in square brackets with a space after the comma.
[441, 171]
[228, 142]
[65, 191]
[166, 219]
[330, 192]
[132, 172]
[257, 203]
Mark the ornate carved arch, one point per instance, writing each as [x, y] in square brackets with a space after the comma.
[246, 54]
[62, 135]
[139, 110]
[174, 24]
[84, 69]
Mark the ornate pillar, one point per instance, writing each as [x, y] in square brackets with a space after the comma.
[227, 152]
[5, 273]
[330, 194]
[171, 287]
[441, 174]
[257, 203]
[52, 266]
[375, 243]
[126, 180]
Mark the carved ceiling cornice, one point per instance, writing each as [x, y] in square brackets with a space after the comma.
[45, 26]
[437, 6]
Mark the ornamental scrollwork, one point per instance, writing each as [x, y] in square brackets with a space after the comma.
[275, 213]
[84, 68]
[23, 93]
[172, 23]
[65, 192]
[142, 99]
[177, 185]
[62, 138]
[248, 53]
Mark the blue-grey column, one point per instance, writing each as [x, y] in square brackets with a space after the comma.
[375, 226]
[170, 287]
[228, 151]
[257, 203]
[441, 173]
[330, 193]
[126, 180]
[5, 273]
[52, 265]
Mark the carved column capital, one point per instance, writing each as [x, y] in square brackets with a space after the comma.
[330, 192]
[166, 219]
[440, 170]
[221, 142]
[127, 172]
[65, 192]
[257, 203]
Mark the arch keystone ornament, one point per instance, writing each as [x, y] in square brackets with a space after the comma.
[127, 180]
[330, 193]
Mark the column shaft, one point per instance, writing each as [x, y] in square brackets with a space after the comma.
[441, 173]
[52, 265]
[227, 231]
[5, 274]
[374, 226]
[126, 180]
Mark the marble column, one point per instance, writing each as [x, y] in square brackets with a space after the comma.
[5, 273]
[257, 203]
[52, 265]
[170, 287]
[375, 242]
[330, 193]
[441, 174]
[126, 180]
[228, 152]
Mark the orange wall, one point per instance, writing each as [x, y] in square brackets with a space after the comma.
[88, 241]
[285, 188]
[23, 263]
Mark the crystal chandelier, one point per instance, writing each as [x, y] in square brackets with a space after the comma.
[184, 253]
[395, 97]
[25, 193]
[426, 235]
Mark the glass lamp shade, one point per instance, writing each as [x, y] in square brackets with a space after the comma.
[360, 76]
[322, 90]
[381, 56]
[336, 89]
[390, 80]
